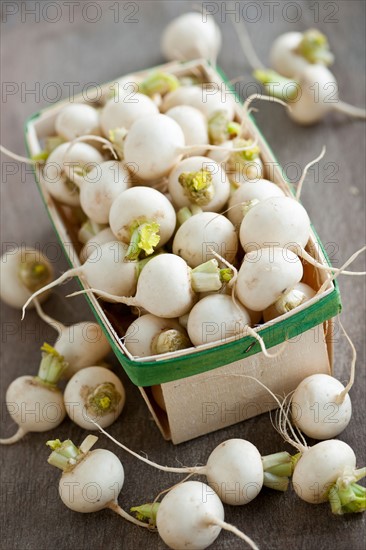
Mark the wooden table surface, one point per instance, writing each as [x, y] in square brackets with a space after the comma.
[40, 59]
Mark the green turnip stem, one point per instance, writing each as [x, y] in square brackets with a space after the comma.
[169, 340]
[305, 171]
[88, 443]
[277, 85]
[19, 157]
[278, 468]
[209, 277]
[158, 82]
[242, 158]
[347, 496]
[232, 529]
[117, 137]
[64, 454]
[104, 398]
[33, 274]
[52, 365]
[221, 128]
[146, 512]
[67, 275]
[118, 510]
[198, 186]
[144, 238]
[19, 434]
[248, 205]
[349, 110]
[187, 212]
[314, 47]
[59, 327]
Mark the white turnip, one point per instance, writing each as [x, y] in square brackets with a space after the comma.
[77, 119]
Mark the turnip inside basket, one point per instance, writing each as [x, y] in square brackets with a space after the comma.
[202, 389]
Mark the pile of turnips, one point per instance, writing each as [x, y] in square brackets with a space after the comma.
[178, 221]
[300, 74]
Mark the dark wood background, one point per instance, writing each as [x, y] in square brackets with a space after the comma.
[35, 54]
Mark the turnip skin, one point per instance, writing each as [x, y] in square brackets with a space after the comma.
[123, 110]
[184, 517]
[266, 274]
[244, 480]
[140, 205]
[154, 144]
[193, 123]
[141, 333]
[75, 120]
[283, 58]
[219, 310]
[22, 271]
[103, 237]
[220, 183]
[201, 232]
[82, 345]
[101, 471]
[59, 170]
[97, 393]
[101, 187]
[319, 467]
[280, 221]
[206, 100]
[316, 408]
[190, 37]
[261, 189]
[21, 396]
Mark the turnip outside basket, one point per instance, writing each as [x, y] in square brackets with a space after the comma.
[197, 382]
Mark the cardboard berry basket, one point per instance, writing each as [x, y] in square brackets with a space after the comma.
[203, 388]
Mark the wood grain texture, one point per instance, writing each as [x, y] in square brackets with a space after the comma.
[36, 54]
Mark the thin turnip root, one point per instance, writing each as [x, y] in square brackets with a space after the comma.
[265, 275]
[77, 120]
[105, 268]
[202, 232]
[95, 242]
[258, 190]
[203, 97]
[190, 36]
[200, 181]
[91, 480]
[35, 403]
[193, 123]
[324, 472]
[124, 109]
[151, 335]
[169, 275]
[292, 52]
[97, 393]
[23, 271]
[81, 345]
[235, 469]
[143, 218]
[61, 167]
[100, 187]
[299, 294]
